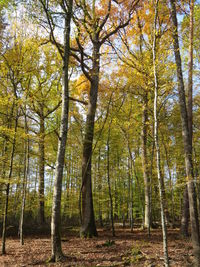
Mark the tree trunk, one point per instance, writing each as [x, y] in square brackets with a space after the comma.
[131, 194]
[145, 163]
[186, 141]
[26, 171]
[185, 214]
[56, 253]
[3, 249]
[156, 138]
[88, 227]
[151, 176]
[170, 184]
[41, 169]
[108, 179]
[190, 72]
[99, 190]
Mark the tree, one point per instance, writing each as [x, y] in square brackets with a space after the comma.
[92, 26]
[156, 138]
[66, 6]
[45, 87]
[186, 140]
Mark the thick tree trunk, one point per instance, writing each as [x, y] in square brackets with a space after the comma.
[88, 227]
[184, 219]
[145, 163]
[156, 138]
[56, 253]
[186, 141]
[41, 169]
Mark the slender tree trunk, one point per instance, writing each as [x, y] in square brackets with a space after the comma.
[56, 253]
[156, 138]
[151, 175]
[66, 196]
[170, 183]
[4, 232]
[197, 177]
[131, 195]
[186, 141]
[99, 190]
[41, 169]
[26, 171]
[17, 192]
[88, 227]
[145, 163]
[108, 179]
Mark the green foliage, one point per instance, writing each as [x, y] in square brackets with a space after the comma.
[133, 256]
[109, 243]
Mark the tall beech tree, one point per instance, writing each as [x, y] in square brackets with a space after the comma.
[186, 140]
[66, 7]
[95, 25]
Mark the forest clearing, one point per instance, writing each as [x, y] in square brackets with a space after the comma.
[100, 133]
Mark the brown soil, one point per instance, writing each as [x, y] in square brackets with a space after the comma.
[126, 249]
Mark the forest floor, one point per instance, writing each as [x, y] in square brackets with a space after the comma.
[126, 249]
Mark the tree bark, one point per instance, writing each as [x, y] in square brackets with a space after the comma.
[186, 141]
[56, 253]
